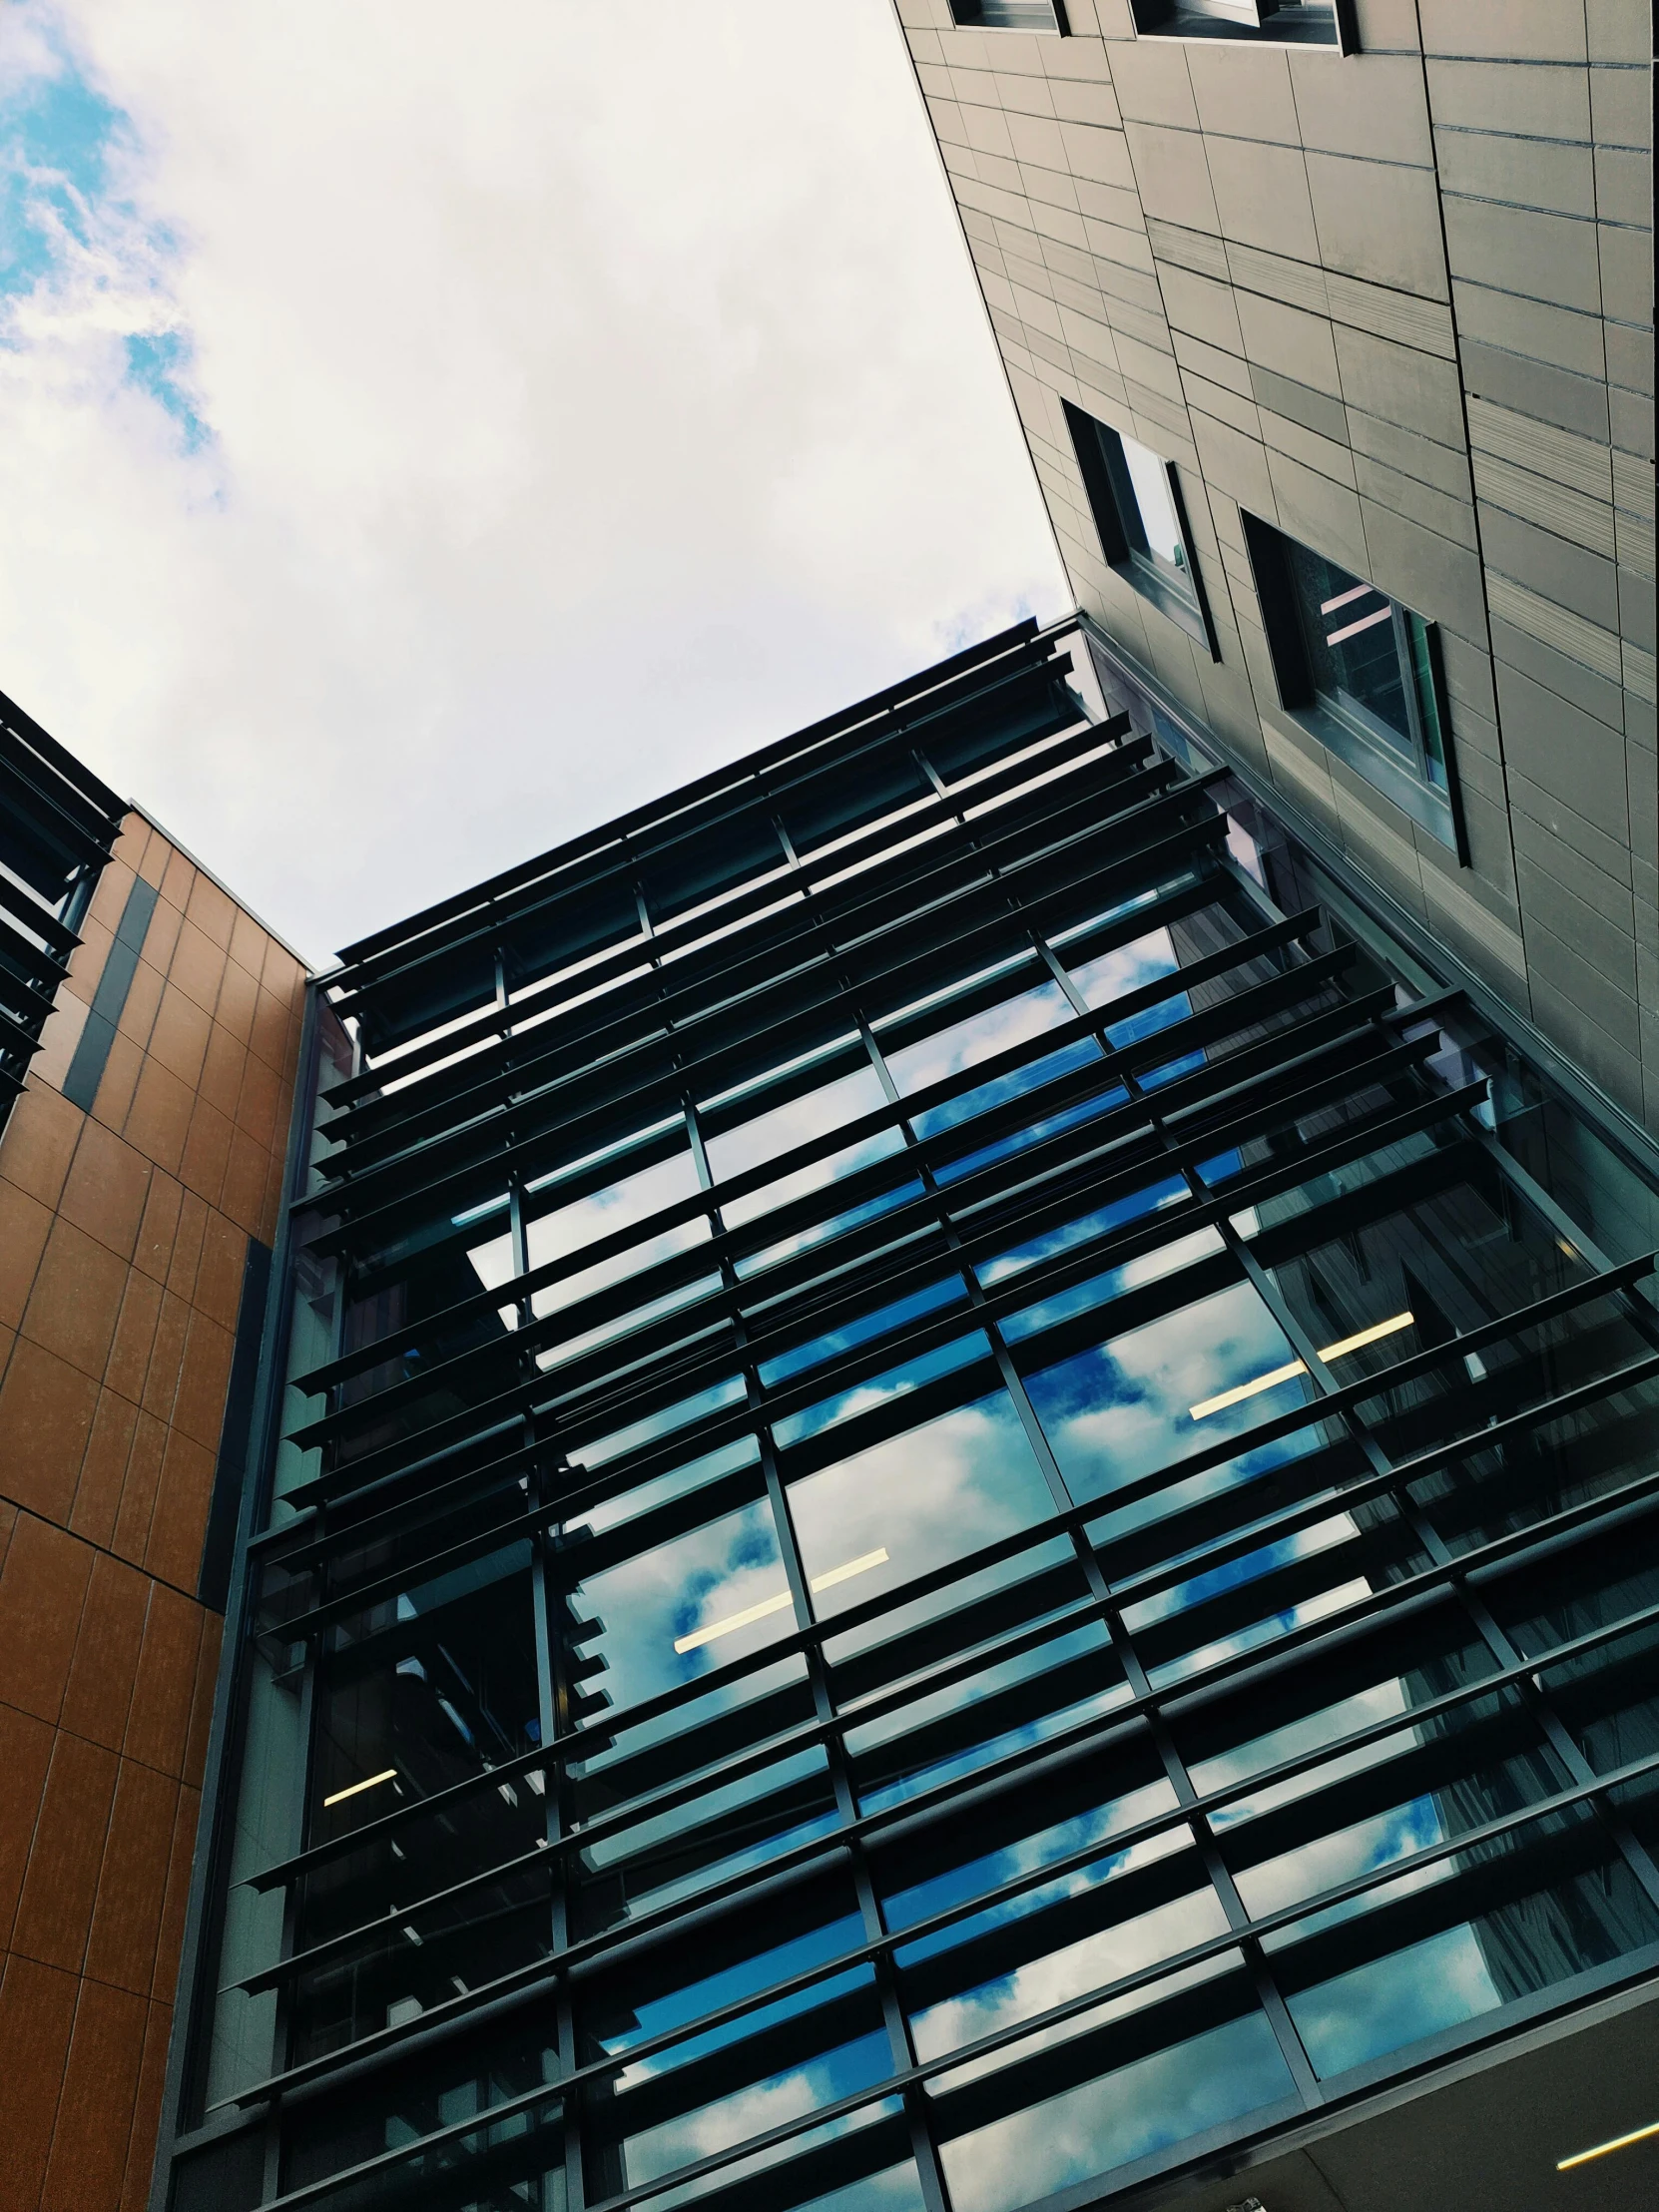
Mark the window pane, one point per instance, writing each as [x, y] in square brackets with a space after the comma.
[1349, 627]
[1150, 479]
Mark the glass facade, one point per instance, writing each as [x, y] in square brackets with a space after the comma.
[955, 1510]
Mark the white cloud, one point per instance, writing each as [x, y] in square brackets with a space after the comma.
[591, 394]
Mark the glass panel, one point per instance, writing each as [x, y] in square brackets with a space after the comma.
[1353, 652]
[1443, 1944]
[1170, 1388]
[917, 1502]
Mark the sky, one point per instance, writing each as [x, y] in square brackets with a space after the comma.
[424, 442]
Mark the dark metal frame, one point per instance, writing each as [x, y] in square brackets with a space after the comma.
[60, 822]
[1118, 817]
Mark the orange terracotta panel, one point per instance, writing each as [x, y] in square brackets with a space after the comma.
[118, 1081]
[46, 1410]
[180, 1036]
[106, 1190]
[221, 1080]
[271, 1029]
[37, 2010]
[284, 974]
[147, 2109]
[138, 1489]
[158, 1723]
[246, 1173]
[153, 864]
[158, 1121]
[239, 998]
[249, 943]
[194, 1215]
[161, 1223]
[144, 994]
[86, 963]
[218, 1278]
[39, 1143]
[54, 1914]
[167, 1357]
[197, 966]
[135, 1334]
[201, 1707]
[169, 1933]
[9, 1519]
[88, 2160]
[59, 1039]
[213, 910]
[77, 1294]
[261, 1092]
[162, 936]
[132, 1884]
[105, 1653]
[179, 880]
[206, 1150]
[24, 1227]
[25, 1754]
[115, 881]
[41, 1594]
[199, 1408]
[181, 1517]
[271, 1205]
[104, 1468]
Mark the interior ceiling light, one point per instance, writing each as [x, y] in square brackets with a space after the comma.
[1600, 2150]
[734, 1621]
[357, 1787]
[1338, 1351]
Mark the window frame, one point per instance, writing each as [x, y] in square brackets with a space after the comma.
[1229, 21]
[962, 20]
[1137, 566]
[1341, 730]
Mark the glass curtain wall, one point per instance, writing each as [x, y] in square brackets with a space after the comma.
[948, 1517]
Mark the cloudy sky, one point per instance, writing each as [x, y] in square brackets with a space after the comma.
[421, 444]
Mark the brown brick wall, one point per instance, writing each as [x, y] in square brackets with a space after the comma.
[122, 1235]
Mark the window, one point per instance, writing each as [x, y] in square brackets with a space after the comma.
[1008, 15]
[1362, 673]
[1137, 507]
[1283, 22]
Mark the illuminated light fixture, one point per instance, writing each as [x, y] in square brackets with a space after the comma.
[853, 1566]
[734, 1621]
[1390, 1327]
[1275, 1376]
[1600, 2150]
[357, 1787]
[1353, 628]
[1235, 1396]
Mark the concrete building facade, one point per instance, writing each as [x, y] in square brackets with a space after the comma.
[1378, 279]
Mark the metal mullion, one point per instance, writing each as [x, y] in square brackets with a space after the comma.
[1269, 1995]
[900, 2047]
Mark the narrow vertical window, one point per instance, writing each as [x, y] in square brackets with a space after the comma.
[1136, 502]
[1362, 672]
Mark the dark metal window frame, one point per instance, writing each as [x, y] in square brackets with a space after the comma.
[1117, 519]
[982, 14]
[1168, 826]
[1342, 726]
[1305, 23]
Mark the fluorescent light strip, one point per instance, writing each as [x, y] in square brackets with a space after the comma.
[357, 1787]
[1365, 622]
[734, 1621]
[1345, 598]
[853, 1567]
[1235, 1396]
[1600, 2150]
[1344, 1345]
[1390, 1327]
